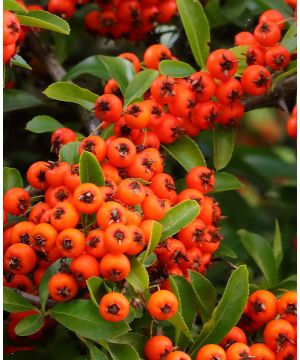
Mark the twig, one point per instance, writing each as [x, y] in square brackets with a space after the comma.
[34, 299]
[282, 93]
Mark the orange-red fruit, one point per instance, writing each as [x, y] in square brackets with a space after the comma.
[62, 287]
[211, 352]
[162, 305]
[16, 201]
[157, 347]
[114, 307]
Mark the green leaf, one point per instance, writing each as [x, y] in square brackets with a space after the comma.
[155, 235]
[139, 85]
[138, 276]
[91, 66]
[123, 351]
[17, 60]
[223, 139]
[226, 251]
[179, 324]
[289, 40]
[97, 354]
[82, 317]
[277, 245]
[178, 217]
[119, 69]
[69, 152]
[279, 5]
[13, 302]
[226, 182]
[11, 178]
[93, 284]
[29, 325]
[107, 132]
[196, 28]
[261, 252]
[186, 152]
[64, 91]
[175, 68]
[43, 288]
[290, 283]
[185, 295]
[42, 124]
[228, 311]
[45, 20]
[132, 338]
[18, 99]
[205, 294]
[13, 5]
[240, 53]
[89, 169]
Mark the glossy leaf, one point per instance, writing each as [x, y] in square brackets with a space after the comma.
[42, 124]
[29, 325]
[279, 5]
[45, 20]
[240, 53]
[196, 28]
[289, 40]
[226, 182]
[11, 178]
[225, 250]
[186, 152]
[120, 70]
[184, 293]
[261, 252]
[69, 152]
[175, 68]
[277, 245]
[82, 317]
[97, 354]
[138, 276]
[107, 132]
[139, 85]
[90, 170]
[155, 235]
[64, 91]
[93, 284]
[205, 294]
[228, 311]
[223, 140]
[134, 339]
[178, 217]
[18, 99]
[13, 5]
[17, 60]
[122, 352]
[14, 302]
[91, 66]
[179, 324]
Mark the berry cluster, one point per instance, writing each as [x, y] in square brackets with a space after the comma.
[133, 19]
[136, 192]
[13, 33]
[278, 340]
[202, 100]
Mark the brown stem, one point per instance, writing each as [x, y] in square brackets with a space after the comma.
[35, 300]
[278, 97]
[47, 57]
